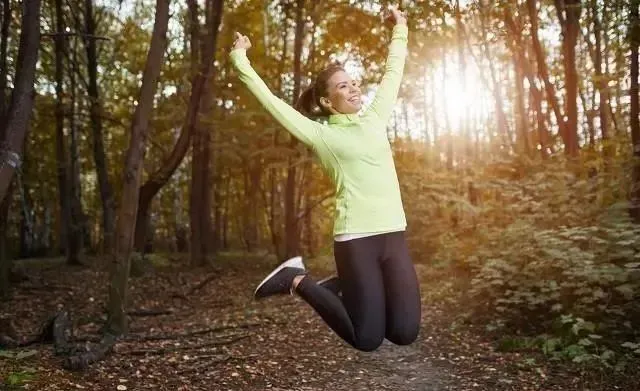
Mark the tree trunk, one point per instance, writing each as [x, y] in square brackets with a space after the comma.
[121, 262]
[5, 261]
[200, 198]
[292, 231]
[68, 235]
[501, 117]
[544, 72]
[160, 178]
[79, 230]
[462, 64]
[106, 189]
[517, 47]
[634, 112]
[445, 103]
[4, 44]
[600, 82]
[570, 31]
[22, 97]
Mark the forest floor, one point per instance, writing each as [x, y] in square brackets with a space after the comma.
[213, 336]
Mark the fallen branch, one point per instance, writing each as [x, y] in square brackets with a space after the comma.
[201, 284]
[196, 332]
[83, 360]
[149, 312]
[144, 352]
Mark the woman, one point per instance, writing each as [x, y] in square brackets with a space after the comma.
[380, 296]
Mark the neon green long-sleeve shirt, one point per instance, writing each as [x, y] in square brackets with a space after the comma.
[353, 149]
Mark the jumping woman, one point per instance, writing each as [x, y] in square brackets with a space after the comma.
[376, 294]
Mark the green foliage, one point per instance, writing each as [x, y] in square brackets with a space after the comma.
[19, 378]
[550, 253]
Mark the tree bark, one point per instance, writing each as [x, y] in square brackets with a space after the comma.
[80, 234]
[202, 68]
[99, 155]
[200, 199]
[503, 125]
[121, 261]
[462, 64]
[22, 97]
[543, 71]
[292, 232]
[517, 47]
[570, 31]
[68, 235]
[5, 261]
[601, 83]
[4, 43]
[634, 112]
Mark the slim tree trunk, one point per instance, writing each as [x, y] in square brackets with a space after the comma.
[69, 234]
[292, 232]
[95, 115]
[201, 186]
[4, 44]
[634, 112]
[571, 29]
[517, 47]
[202, 68]
[121, 261]
[79, 230]
[501, 117]
[22, 97]
[462, 64]
[543, 71]
[5, 261]
[445, 103]
[600, 82]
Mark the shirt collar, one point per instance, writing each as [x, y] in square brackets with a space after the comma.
[343, 119]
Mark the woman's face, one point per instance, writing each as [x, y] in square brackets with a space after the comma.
[344, 96]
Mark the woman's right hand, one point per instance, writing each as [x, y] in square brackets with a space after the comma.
[395, 16]
[241, 42]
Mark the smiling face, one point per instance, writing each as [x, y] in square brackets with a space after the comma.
[343, 94]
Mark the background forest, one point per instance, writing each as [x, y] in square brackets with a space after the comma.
[127, 137]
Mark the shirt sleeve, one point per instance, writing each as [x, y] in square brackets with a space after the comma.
[387, 93]
[301, 127]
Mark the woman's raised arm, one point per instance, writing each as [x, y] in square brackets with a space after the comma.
[387, 93]
[301, 127]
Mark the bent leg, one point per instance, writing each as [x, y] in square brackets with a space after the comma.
[359, 318]
[402, 292]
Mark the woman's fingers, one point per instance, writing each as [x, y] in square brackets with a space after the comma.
[242, 41]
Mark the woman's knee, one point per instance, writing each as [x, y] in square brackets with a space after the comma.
[368, 343]
[405, 335]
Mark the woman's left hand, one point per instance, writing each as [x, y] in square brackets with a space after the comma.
[397, 16]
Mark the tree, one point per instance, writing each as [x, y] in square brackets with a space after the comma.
[19, 111]
[203, 72]
[69, 233]
[569, 17]
[200, 198]
[634, 112]
[95, 114]
[292, 232]
[121, 259]
[543, 73]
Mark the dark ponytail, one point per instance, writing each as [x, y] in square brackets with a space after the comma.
[308, 103]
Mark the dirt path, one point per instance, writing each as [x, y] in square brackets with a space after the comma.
[217, 338]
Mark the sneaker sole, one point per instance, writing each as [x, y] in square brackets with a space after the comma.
[293, 262]
[325, 280]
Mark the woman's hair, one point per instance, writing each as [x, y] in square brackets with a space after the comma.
[308, 102]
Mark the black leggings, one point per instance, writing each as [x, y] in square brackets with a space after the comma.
[380, 292]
